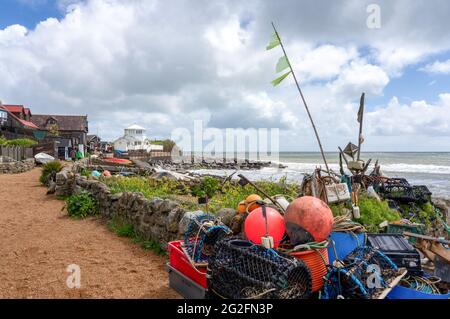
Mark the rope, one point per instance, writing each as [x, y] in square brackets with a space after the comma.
[345, 224]
[422, 284]
[308, 246]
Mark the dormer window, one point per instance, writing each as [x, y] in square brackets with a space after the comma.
[51, 121]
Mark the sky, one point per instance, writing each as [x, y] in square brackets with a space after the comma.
[164, 63]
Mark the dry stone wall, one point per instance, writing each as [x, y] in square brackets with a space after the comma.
[14, 167]
[157, 219]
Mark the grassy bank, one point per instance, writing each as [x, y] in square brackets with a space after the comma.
[220, 196]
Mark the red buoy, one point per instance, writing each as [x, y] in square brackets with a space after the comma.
[308, 219]
[255, 225]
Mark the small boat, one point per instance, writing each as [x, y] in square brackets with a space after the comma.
[115, 160]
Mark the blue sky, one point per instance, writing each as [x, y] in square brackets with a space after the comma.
[172, 62]
[410, 86]
[27, 12]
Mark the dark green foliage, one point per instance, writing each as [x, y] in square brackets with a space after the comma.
[25, 142]
[49, 168]
[208, 186]
[81, 205]
[86, 172]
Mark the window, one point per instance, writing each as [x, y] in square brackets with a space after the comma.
[138, 131]
[3, 117]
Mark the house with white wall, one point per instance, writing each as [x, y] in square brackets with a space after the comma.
[135, 138]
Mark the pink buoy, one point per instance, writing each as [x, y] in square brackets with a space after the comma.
[255, 225]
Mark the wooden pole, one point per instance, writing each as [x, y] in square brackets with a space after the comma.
[303, 99]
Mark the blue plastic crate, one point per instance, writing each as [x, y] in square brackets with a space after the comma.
[344, 243]
[399, 292]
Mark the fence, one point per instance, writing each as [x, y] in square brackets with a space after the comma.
[17, 153]
[152, 155]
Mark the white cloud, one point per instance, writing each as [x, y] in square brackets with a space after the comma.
[437, 67]
[359, 77]
[417, 118]
[166, 63]
[323, 62]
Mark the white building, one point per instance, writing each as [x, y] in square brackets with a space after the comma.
[134, 138]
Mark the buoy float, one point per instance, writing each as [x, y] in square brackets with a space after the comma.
[242, 207]
[95, 173]
[251, 202]
[308, 219]
[255, 226]
[106, 173]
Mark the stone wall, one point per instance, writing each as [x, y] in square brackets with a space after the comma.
[157, 219]
[15, 167]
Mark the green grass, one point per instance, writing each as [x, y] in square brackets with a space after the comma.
[25, 142]
[227, 196]
[124, 229]
[150, 188]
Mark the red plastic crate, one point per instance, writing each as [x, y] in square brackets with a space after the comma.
[180, 262]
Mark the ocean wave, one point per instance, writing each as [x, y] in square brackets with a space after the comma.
[391, 168]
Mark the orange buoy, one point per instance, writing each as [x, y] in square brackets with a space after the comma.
[308, 219]
[242, 207]
[106, 173]
[316, 260]
[255, 225]
[250, 201]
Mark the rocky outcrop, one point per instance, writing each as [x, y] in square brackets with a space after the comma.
[14, 167]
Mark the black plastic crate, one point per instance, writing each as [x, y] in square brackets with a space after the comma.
[185, 286]
[421, 193]
[398, 249]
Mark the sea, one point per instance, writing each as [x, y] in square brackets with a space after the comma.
[419, 168]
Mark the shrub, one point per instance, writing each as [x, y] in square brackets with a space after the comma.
[208, 186]
[86, 172]
[50, 168]
[81, 205]
[374, 212]
[25, 142]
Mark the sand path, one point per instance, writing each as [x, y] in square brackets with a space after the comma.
[38, 242]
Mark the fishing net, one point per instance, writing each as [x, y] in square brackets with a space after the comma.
[201, 235]
[397, 189]
[365, 274]
[239, 269]
[421, 194]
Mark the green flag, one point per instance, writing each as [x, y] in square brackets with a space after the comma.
[282, 64]
[274, 41]
[279, 79]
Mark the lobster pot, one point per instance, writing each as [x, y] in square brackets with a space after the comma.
[200, 237]
[365, 274]
[240, 269]
[317, 261]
